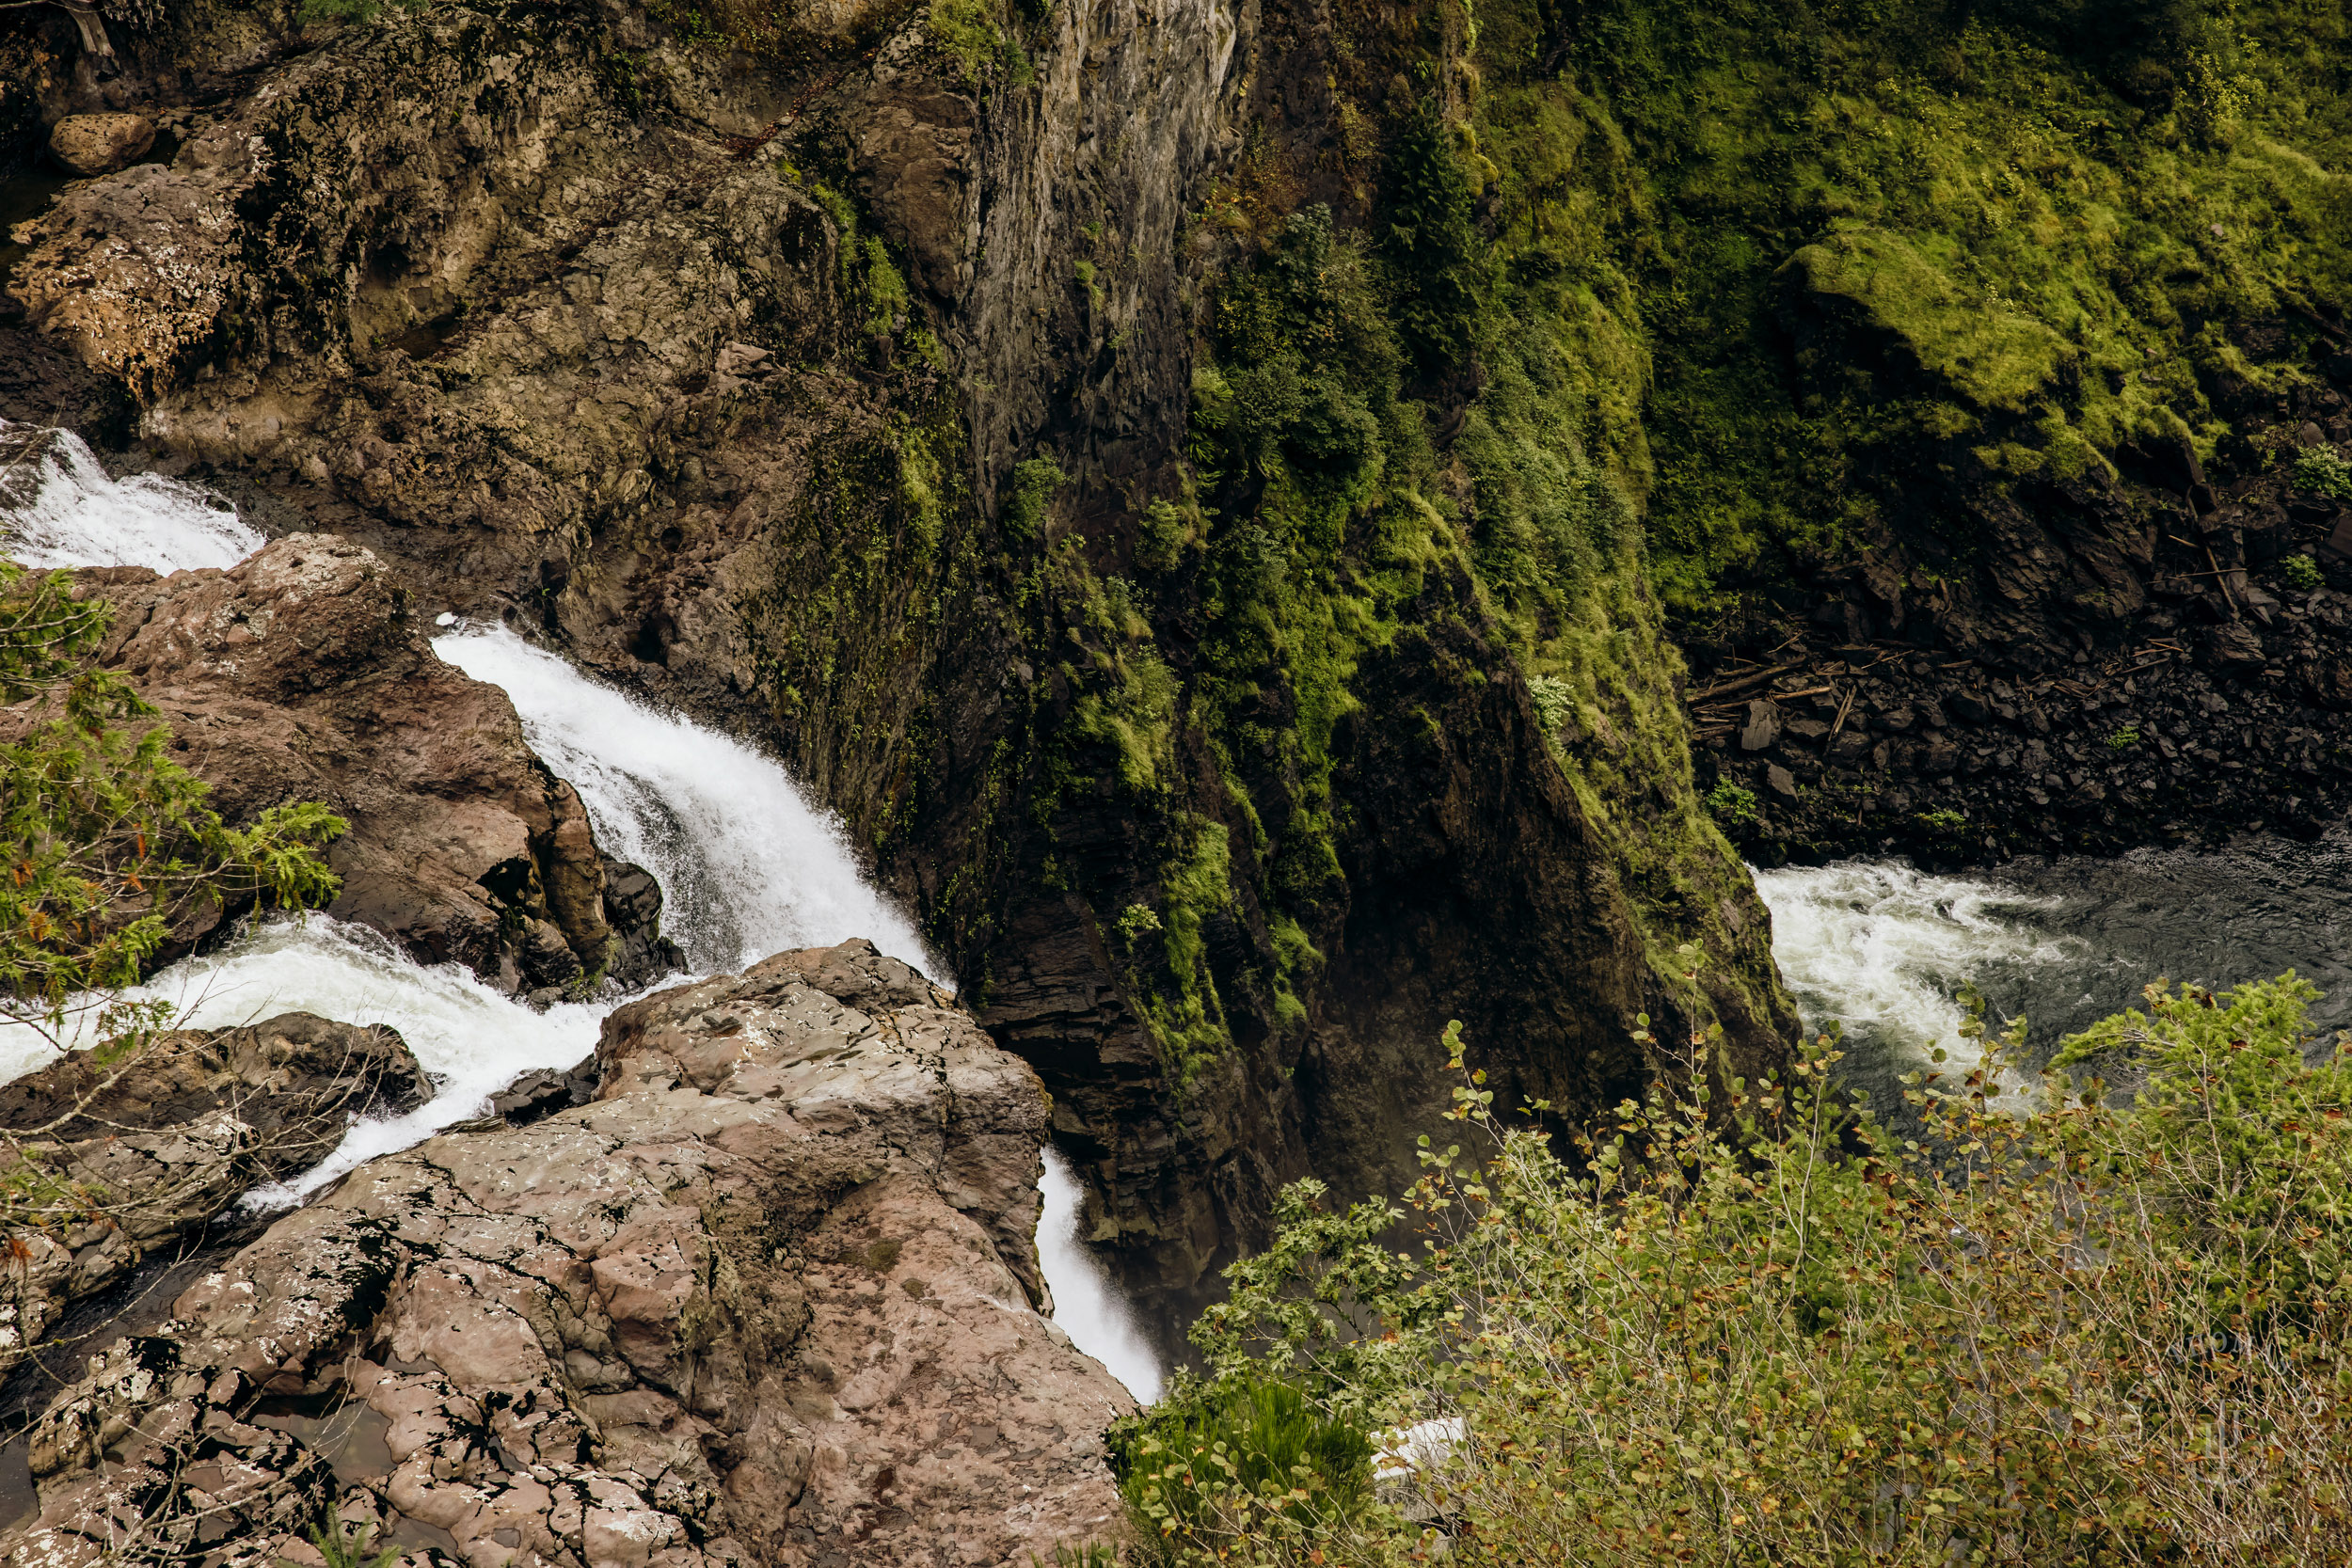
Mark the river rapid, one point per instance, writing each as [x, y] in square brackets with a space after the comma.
[749, 866]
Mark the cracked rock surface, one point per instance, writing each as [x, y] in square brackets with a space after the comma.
[133, 1156]
[770, 1298]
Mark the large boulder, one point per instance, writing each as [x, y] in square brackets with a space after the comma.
[772, 1297]
[304, 674]
[91, 145]
[124, 1155]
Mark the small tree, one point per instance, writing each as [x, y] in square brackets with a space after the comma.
[109, 846]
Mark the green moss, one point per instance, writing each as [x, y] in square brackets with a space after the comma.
[968, 30]
[1993, 357]
[1860, 244]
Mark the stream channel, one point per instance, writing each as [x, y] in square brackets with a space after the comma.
[749, 868]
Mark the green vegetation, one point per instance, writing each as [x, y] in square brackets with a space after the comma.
[1942, 820]
[108, 842]
[344, 1543]
[2323, 472]
[110, 851]
[2301, 571]
[2124, 739]
[1260, 1437]
[1843, 260]
[1731, 805]
[1747, 1322]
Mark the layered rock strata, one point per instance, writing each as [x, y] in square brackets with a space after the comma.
[770, 1298]
[114, 1159]
[304, 674]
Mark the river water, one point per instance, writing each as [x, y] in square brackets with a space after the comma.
[748, 867]
[1881, 946]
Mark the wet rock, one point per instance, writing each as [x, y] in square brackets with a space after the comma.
[304, 674]
[1780, 781]
[1762, 728]
[147, 1148]
[772, 1297]
[91, 145]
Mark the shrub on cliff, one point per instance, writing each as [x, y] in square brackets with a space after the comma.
[1746, 1324]
[109, 843]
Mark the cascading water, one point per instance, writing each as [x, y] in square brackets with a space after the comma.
[57, 507]
[1882, 947]
[1086, 1303]
[747, 868]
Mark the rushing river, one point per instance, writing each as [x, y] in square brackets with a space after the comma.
[1881, 946]
[748, 867]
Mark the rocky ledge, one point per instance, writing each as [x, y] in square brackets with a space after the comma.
[2221, 703]
[304, 674]
[122, 1158]
[772, 1297]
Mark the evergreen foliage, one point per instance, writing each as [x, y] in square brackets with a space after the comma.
[109, 843]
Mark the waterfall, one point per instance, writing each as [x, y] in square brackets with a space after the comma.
[470, 1037]
[1087, 1305]
[747, 866]
[57, 507]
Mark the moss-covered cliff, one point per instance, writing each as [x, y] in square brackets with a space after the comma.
[1203, 491]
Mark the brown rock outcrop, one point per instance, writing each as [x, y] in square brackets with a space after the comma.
[768, 1299]
[302, 674]
[140, 1152]
[91, 145]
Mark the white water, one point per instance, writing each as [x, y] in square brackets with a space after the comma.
[1883, 948]
[1086, 1303]
[473, 1040]
[57, 507]
[747, 866]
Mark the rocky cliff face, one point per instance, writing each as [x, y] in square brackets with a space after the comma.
[771, 1296]
[853, 380]
[304, 674]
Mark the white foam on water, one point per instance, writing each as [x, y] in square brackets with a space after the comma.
[1087, 1305]
[57, 507]
[472, 1038]
[1881, 946]
[747, 866]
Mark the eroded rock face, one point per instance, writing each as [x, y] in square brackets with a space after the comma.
[146, 1150]
[770, 1298]
[741, 437]
[303, 674]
